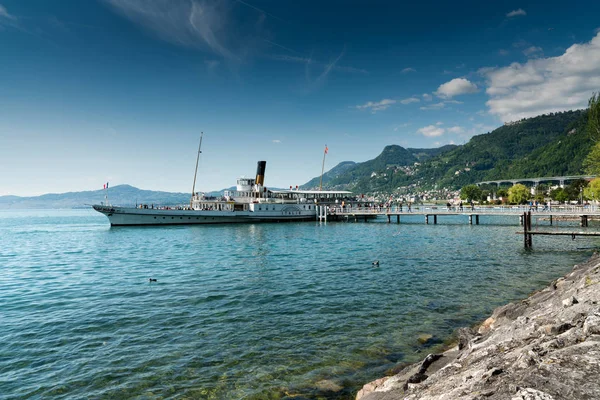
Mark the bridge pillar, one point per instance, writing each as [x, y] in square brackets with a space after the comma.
[561, 183]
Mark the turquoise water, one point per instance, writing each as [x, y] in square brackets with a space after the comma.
[265, 311]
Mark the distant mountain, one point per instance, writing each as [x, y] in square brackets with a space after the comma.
[546, 145]
[330, 175]
[350, 175]
[125, 195]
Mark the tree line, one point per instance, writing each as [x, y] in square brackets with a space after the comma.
[579, 190]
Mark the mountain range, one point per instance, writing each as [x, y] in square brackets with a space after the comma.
[548, 145]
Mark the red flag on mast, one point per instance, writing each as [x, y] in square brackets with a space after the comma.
[326, 149]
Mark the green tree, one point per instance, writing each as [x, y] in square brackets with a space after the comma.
[559, 195]
[593, 125]
[470, 192]
[591, 164]
[575, 189]
[592, 191]
[518, 194]
[502, 193]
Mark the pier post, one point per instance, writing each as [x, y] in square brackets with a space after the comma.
[470, 219]
[389, 218]
[551, 220]
[398, 218]
[435, 219]
[529, 235]
[584, 221]
[426, 219]
[526, 229]
[477, 219]
[521, 219]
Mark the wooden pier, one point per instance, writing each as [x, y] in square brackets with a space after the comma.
[431, 214]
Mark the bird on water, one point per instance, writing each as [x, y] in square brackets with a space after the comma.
[375, 263]
[152, 280]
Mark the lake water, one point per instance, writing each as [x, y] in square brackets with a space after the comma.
[256, 311]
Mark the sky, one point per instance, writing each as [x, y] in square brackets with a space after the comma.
[119, 91]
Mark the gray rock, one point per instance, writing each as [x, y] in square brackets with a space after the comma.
[591, 326]
[570, 301]
[543, 348]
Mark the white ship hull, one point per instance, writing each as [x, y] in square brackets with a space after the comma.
[124, 216]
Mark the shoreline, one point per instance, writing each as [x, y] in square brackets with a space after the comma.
[546, 346]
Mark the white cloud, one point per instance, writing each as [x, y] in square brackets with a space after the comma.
[376, 106]
[439, 123]
[410, 100]
[427, 97]
[533, 51]
[516, 13]
[434, 106]
[503, 52]
[545, 85]
[597, 30]
[407, 70]
[456, 87]
[431, 131]
[456, 129]
[276, 141]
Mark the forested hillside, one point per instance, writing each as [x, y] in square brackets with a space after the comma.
[547, 145]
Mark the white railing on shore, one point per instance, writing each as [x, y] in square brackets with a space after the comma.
[467, 209]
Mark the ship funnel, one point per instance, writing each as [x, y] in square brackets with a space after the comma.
[260, 173]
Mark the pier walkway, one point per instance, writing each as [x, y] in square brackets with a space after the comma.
[432, 212]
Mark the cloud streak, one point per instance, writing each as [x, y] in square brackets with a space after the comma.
[188, 23]
[376, 106]
[312, 62]
[516, 13]
[410, 100]
[431, 131]
[4, 14]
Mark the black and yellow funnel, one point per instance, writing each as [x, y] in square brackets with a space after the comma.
[260, 173]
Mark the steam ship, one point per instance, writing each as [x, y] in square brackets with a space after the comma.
[250, 202]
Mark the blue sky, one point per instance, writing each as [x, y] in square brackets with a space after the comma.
[119, 90]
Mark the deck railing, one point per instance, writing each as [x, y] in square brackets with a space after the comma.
[467, 209]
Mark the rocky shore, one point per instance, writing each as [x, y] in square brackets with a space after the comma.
[544, 347]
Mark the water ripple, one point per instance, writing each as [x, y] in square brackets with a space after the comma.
[249, 311]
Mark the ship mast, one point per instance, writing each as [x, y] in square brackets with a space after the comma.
[196, 170]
